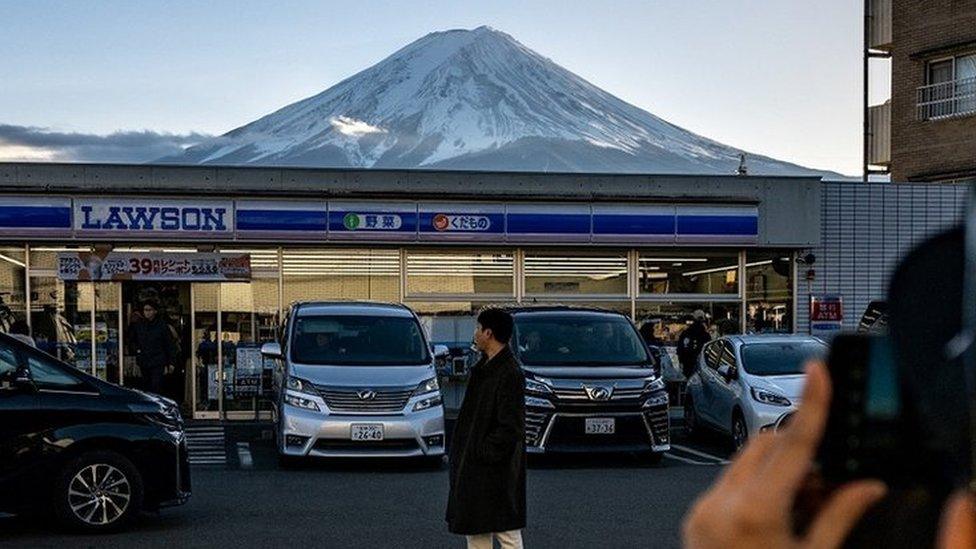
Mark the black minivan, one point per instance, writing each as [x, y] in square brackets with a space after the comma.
[93, 453]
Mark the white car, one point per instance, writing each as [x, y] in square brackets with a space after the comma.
[747, 384]
[356, 379]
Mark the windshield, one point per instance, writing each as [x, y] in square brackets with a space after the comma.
[358, 340]
[780, 358]
[578, 340]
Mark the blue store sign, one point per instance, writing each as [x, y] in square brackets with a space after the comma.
[154, 216]
[379, 221]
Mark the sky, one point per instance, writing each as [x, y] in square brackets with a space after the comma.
[86, 80]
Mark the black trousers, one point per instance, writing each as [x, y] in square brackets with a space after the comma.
[152, 379]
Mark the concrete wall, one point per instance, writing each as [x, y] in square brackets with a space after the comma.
[867, 229]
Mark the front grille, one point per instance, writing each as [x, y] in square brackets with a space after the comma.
[660, 423]
[348, 400]
[578, 394]
[337, 445]
[568, 434]
[535, 426]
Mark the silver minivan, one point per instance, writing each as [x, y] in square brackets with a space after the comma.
[356, 379]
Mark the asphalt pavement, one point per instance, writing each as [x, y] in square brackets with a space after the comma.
[247, 501]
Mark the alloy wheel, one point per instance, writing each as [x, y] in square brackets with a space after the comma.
[740, 434]
[99, 494]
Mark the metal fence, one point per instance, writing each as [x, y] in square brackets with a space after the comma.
[947, 99]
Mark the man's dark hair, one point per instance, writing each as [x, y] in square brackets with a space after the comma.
[499, 322]
[151, 303]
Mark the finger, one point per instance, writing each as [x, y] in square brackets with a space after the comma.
[749, 461]
[842, 512]
[958, 529]
[790, 460]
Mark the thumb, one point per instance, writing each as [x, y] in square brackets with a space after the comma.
[842, 511]
[958, 529]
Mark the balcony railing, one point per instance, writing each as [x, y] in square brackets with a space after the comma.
[947, 99]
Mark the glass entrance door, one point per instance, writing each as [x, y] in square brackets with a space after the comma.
[231, 321]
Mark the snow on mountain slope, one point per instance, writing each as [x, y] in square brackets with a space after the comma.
[473, 99]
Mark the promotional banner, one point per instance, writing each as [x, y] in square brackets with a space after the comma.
[120, 266]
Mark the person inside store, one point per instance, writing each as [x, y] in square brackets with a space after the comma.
[691, 341]
[21, 331]
[751, 504]
[154, 347]
[486, 501]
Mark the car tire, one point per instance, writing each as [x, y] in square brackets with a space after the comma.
[289, 462]
[740, 432]
[650, 459]
[692, 426]
[98, 492]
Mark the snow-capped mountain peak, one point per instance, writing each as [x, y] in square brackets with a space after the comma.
[472, 99]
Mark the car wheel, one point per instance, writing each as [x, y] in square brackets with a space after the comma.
[289, 462]
[740, 433]
[650, 459]
[692, 427]
[98, 492]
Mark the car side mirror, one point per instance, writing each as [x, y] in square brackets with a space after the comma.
[441, 351]
[20, 381]
[726, 371]
[272, 349]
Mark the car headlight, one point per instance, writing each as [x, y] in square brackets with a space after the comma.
[767, 397]
[428, 386]
[654, 385]
[534, 386]
[428, 403]
[301, 402]
[300, 385]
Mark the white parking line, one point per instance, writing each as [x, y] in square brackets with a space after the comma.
[692, 451]
[689, 460]
[244, 455]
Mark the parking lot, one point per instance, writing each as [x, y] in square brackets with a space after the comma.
[247, 501]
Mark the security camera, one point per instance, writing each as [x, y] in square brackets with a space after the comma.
[808, 259]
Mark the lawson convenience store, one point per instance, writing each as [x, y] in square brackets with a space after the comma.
[226, 250]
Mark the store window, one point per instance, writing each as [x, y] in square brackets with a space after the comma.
[249, 319]
[685, 272]
[769, 292]
[13, 295]
[669, 319]
[340, 274]
[460, 272]
[566, 274]
[61, 319]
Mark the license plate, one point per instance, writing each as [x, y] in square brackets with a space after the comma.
[600, 426]
[367, 431]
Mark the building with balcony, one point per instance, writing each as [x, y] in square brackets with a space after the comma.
[927, 131]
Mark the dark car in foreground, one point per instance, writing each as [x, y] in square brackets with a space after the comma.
[590, 383]
[92, 453]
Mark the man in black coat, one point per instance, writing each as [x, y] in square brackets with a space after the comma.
[487, 497]
[690, 343]
[154, 347]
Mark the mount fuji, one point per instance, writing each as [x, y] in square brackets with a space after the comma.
[473, 100]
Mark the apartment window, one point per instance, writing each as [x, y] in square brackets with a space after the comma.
[950, 88]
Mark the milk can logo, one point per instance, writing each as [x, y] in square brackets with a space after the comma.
[444, 222]
[371, 222]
